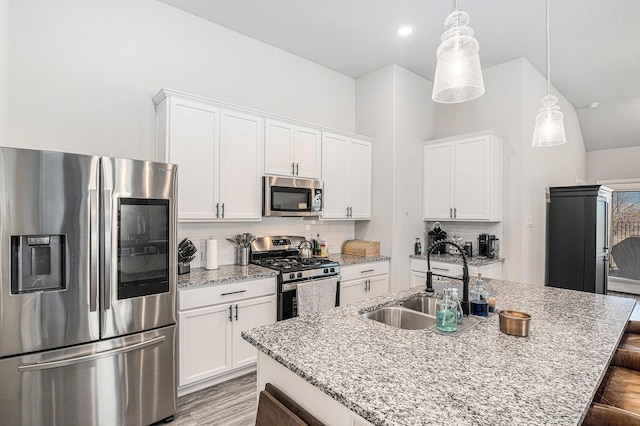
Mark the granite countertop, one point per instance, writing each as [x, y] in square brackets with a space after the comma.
[350, 259]
[452, 258]
[391, 376]
[199, 277]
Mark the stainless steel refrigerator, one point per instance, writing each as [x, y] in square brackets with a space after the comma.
[87, 289]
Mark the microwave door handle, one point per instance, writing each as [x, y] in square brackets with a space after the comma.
[107, 249]
[94, 269]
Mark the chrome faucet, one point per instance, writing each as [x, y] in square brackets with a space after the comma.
[465, 273]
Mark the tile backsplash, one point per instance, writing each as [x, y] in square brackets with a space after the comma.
[335, 233]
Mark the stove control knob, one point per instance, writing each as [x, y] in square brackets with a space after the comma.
[299, 274]
[292, 276]
[326, 271]
[333, 269]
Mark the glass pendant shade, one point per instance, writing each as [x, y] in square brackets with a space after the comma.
[549, 129]
[458, 75]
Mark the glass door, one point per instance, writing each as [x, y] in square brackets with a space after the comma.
[143, 247]
[624, 265]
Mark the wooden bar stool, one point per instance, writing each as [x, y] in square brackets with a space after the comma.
[276, 408]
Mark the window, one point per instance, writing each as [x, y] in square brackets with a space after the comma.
[625, 235]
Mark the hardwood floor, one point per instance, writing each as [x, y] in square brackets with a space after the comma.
[231, 403]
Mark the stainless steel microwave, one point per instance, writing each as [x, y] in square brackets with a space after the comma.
[291, 197]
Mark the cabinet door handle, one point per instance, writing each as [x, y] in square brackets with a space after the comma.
[233, 292]
[371, 270]
[368, 285]
[297, 164]
[450, 213]
[455, 212]
[439, 269]
[236, 312]
[217, 210]
[347, 211]
[293, 169]
[365, 285]
[223, 210]
[230, 313]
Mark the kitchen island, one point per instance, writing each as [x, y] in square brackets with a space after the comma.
[347, 369]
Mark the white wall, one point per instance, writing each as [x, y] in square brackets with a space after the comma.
[394, 106]
[610, 164]
[510, 104]
[5, 68]
[84, 74]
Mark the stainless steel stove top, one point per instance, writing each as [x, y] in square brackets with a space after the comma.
[282, 254]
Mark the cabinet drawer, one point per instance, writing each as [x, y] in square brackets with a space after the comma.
[363, 270]
[442, 268]
[190, 298]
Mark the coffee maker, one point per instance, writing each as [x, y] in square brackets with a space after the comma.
[487, 245]
[437, 234]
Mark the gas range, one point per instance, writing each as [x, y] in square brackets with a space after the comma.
[283, 255]
[300, 268]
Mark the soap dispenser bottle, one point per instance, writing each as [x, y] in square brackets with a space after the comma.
[478, 298]
[446, 313]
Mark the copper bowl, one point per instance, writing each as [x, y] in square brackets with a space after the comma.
[515, 323]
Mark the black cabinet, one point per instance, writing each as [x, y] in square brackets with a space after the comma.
[578, 238]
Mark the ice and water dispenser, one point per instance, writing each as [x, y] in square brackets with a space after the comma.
[37, 263]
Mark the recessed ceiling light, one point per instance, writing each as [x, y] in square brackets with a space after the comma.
[404, 31]
[593, 105]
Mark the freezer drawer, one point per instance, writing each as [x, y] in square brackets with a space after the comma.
[123, 381]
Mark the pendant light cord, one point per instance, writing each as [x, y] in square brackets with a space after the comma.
[548, 54]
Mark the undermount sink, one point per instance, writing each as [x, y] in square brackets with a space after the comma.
[417, 314]
[397, 316]
[423, 304]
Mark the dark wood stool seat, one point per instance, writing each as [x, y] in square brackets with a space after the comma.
[607, 415]
[620, 388]
[628, 353]
[633, 326]
[276, 408]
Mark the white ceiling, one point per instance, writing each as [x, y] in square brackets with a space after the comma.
[595, 44]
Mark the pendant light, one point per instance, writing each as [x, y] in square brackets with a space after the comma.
[458, 75]
[549, 129]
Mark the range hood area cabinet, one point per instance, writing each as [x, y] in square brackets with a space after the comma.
[346, 173]
[462, 178]
[220, 152]
[578, 238]
[292, 150]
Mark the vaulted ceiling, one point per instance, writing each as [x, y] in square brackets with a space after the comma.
[595, 44]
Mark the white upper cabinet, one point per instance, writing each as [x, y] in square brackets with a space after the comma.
[462, 178]
[346, 173]
[188, 135]
[241, 156]
[292, 150]
[219, 153]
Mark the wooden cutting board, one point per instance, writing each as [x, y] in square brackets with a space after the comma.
[361, 248]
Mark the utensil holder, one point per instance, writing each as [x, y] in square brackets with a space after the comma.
[243, 256]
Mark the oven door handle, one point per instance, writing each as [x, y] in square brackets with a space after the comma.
[293, 286]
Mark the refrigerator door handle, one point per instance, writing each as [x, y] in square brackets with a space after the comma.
[93, 234]
[23, 368]
[106, 249]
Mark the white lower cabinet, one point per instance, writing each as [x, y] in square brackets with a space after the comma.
[363, 281]
[210, 322]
